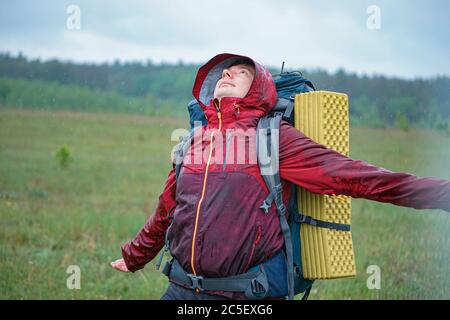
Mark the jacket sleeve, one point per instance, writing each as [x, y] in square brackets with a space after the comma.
[150, 239]
[325, 171]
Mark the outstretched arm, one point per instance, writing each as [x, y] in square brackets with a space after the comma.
[325, 171]
[150, 239]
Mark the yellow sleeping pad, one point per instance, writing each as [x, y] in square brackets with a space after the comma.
[326, 253]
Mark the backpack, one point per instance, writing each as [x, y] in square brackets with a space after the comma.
[263, 280]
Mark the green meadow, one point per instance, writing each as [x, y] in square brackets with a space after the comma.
[53, 217]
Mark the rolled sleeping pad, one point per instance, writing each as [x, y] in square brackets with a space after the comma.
[326, 253]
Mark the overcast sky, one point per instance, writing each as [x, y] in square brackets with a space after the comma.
[413, 38]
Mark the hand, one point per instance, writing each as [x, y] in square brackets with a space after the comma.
[120, 265]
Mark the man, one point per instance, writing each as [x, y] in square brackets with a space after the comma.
[219, 229]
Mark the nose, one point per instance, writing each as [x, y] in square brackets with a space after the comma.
[226, 73]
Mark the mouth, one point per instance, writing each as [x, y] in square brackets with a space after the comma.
[227, 84]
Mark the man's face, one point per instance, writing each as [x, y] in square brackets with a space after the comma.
[235, 81]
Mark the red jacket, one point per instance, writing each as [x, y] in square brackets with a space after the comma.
[219, 229]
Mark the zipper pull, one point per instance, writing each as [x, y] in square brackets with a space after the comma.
[217, 105]
[238, 112]
[218, 109]
[219, 114]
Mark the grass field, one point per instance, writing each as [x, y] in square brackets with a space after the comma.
[53, 217]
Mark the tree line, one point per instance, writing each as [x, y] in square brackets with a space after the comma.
[146, 87]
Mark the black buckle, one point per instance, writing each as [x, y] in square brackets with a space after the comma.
[278, 113]
[296, 271]
[301, 218]
[196, 281]
[282, 210]
[257, 288]
[306, 219]
[167, 268]
[277, 188]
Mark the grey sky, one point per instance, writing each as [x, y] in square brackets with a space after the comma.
[413, 39]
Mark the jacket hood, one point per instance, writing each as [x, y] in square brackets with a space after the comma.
[260, 99]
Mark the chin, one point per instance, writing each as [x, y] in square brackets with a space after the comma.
[225, 93]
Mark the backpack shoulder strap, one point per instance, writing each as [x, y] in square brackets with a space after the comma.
[268, 161]
[286, 107]
[181, 149]
[268, 154]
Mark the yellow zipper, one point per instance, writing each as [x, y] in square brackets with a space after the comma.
[219, 116]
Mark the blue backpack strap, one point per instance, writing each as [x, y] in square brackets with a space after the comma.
[196, 113]
[300, 283]
[181, 150]
[268, 161]
[166, 241]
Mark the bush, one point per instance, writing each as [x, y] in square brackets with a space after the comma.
[63, 156]
[402, 122]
